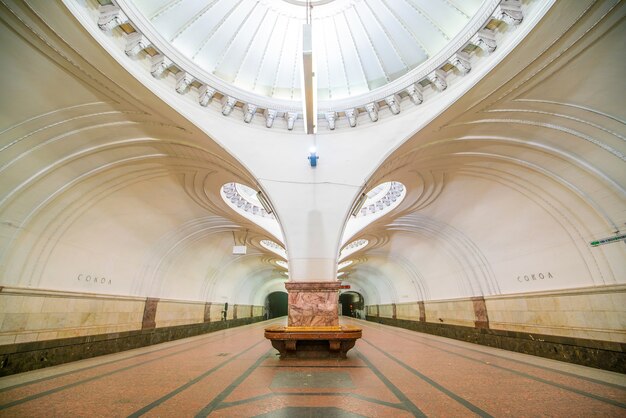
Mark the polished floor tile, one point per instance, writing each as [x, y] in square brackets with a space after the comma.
[391, 372]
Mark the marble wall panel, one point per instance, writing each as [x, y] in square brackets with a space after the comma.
[408, 311]
[313, 304]
[172, 313]
[594, 313]
[597, 313]
[454, 312]
[35, 315]
[28, 315]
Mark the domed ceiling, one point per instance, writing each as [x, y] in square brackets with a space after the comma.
[256, 45]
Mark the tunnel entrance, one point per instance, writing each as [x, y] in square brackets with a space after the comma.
[352, 304]
[276, 303]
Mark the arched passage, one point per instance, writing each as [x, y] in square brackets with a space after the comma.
[352, 304]
[276, 304]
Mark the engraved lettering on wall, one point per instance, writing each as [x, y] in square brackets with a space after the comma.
[93, 279]
[530, 277]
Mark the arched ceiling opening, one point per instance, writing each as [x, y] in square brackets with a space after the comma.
[376, 203]
[246, 202]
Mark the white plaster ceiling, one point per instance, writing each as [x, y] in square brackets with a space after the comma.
[359, 45]
[100, 176]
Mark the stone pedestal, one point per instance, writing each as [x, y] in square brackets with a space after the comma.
[313, 304]
[313, 329]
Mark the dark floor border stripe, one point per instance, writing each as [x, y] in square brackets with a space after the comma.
[434, 384]
[225, 405]
[192, 382]
[564, 387]
[535, 378]
[410, 406]
[202, 340]
[230, 388]
[404, 331]
[317, 367]
[27, 356]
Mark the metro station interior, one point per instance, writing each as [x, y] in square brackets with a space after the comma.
[174, 172]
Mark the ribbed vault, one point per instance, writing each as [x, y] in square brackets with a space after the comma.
[507, 189]
[101, 178]
[104, 190]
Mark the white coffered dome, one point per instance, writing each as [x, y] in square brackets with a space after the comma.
[255, 45]
[369, 54]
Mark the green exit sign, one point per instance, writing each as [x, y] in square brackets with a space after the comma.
[608, 240]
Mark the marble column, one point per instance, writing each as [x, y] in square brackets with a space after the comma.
[313, 304]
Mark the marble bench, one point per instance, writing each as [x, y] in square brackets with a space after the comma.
[313, 342]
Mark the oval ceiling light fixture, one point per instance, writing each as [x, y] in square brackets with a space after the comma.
[274, 247]
[252, 205]
[282, 264]
[341, 273]
[382, 199]
[372, 205]
[353, 247]
[344, 264]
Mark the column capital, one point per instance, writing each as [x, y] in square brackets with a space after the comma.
[327, 286]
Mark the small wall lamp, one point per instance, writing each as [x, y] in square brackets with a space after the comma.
[313, 157]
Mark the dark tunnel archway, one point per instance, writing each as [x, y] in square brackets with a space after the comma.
[276, 304]
[352, 304]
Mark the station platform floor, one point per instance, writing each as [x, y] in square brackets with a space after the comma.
[391, 372]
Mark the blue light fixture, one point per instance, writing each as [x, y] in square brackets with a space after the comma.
[313, 157]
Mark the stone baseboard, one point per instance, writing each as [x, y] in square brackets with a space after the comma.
[18, 358]
[605, 355]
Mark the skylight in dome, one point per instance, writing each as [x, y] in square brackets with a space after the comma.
[379, 201]
[244, 200]
[382, 198]
[274, 247]
[344, 264]
[245, 45]
[353, 247]
[377, 190]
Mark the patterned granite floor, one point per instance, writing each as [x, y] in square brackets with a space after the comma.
[391, 372]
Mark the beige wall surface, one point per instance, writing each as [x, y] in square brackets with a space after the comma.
[36, 315]
[455, 312]
[408, 311]
[595, 313]
[171, 313]
[31, 315]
